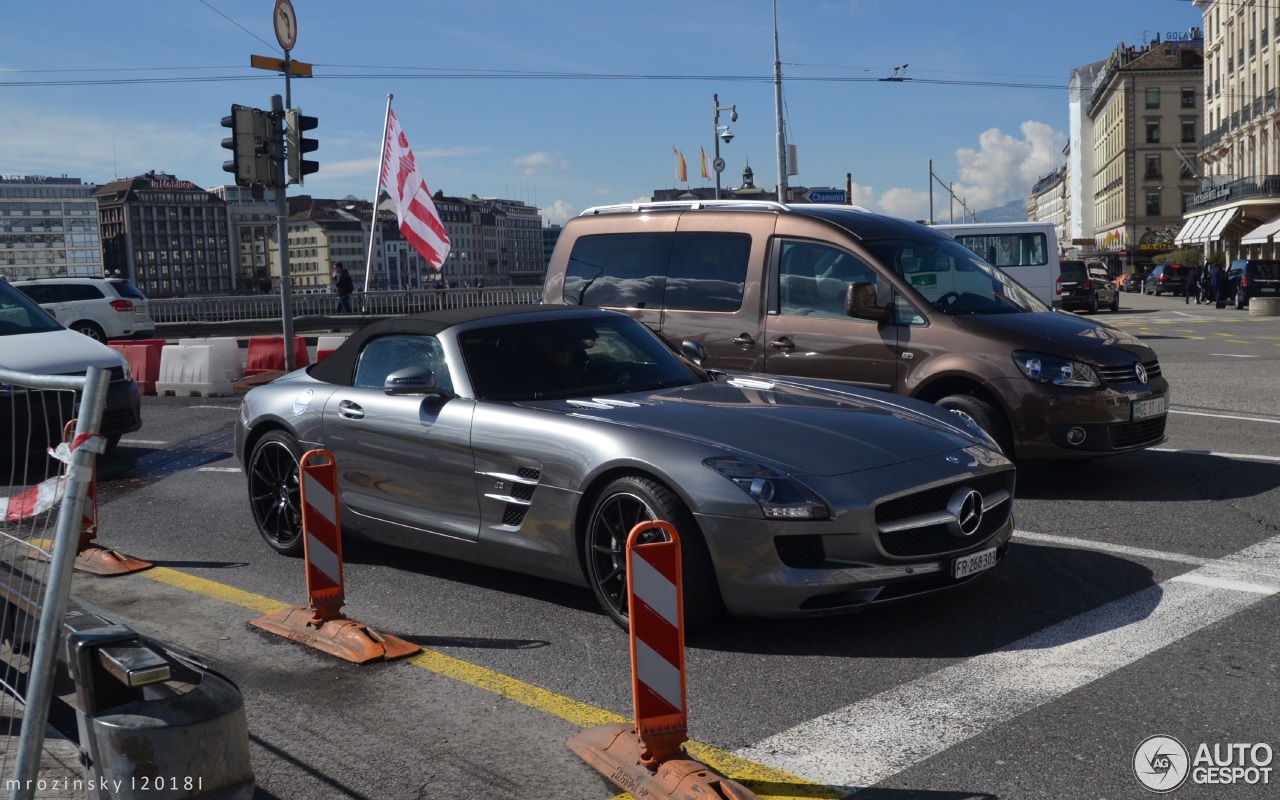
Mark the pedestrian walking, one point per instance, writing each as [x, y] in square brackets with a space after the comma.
[1193, 287]
[1217, 286]
[343, 287]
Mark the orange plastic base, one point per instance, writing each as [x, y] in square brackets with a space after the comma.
[107, 563]
[615, 752]
[342, 637]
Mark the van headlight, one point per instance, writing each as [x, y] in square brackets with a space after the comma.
[1055, 370]
[780, 496]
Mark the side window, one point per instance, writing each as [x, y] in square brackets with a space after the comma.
[40, 294]
[708, 272]
[814, 277]
[386, 354]
[626, 270]
[1098, 274]
[83, 291]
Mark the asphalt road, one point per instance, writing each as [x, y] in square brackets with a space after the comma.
[1139, 598]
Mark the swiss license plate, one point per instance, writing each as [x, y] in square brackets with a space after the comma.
[1146, 409]
[1268, 290]
[974, 563]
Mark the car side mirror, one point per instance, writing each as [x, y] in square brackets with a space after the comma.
[694, 351]
[413, 380]
[861, 300]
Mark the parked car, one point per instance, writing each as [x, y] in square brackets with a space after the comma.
[1248, 278]
[840, 293]
[33, 341]
[1133, 282]
[100, 308]
[1168, 279]
[1086, 285]
[534, 438]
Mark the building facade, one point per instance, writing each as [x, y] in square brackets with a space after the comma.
[1145, 109]
[1236, 211]
[252, 231]
[1049, 203]
[168, 236]
[48, 226]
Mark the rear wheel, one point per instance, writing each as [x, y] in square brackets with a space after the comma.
[982, 414]
[90, 329]
[274, 492]
[1115, 302]
[1240, 300]
[621, 506]
[1093, 304]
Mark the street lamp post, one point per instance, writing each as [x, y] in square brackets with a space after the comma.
[725, 133]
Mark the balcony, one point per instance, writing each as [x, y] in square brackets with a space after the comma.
[1256, 186]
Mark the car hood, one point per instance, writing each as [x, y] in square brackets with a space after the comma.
[63, 352]
[789, 424]
[1059, 333]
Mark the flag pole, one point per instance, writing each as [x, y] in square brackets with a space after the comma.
[377, 190]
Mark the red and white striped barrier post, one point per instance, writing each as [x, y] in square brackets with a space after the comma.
[647, 759]
[320, 623]
[92, 557]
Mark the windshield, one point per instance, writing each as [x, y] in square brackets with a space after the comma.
[952, 278]
[568, 358]
[19, 314]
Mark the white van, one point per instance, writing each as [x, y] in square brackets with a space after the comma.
[1027, 251]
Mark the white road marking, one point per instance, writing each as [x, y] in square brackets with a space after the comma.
[224, 408]
[1232, 355]
[146, 442]
[1222, 416]
[218, 469]
[871, 740]
[1216, 454]
[1107, 547]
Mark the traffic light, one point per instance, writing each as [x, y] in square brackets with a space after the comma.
[243, 163]
[296, 145]
[250, 145]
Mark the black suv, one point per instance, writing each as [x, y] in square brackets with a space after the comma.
[1087, 286]
[1252, 278]
[1171, 278]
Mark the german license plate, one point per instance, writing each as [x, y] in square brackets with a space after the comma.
[974, 563]
[1146, 409]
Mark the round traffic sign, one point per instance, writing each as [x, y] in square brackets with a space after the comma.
[286, 24]
[718, 164]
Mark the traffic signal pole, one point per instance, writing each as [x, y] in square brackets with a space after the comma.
[282, 228]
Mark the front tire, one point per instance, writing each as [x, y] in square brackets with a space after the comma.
[618, 508]
[275, 493]
[982, 414]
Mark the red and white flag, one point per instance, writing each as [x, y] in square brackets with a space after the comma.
[419, 221]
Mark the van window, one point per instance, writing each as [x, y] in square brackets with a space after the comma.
[1008, 249]
[813, 279]
[678, 271]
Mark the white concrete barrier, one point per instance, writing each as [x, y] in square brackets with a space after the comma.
[192, 371]
[227, 353]
[1264, 307]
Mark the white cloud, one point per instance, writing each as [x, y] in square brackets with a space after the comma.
[905, 203]
[559, 211]
[534, 163]
[1005, 167]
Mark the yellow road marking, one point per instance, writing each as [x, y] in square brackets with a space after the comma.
[764, 780]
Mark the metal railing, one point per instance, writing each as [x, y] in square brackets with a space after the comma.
[376, 304]
[35, 570]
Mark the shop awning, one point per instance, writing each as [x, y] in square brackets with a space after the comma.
[1262, 233]
[1219, 225]
[1192, 231]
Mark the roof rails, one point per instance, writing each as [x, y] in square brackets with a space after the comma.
[690, 205]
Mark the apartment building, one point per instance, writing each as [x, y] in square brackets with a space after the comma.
[48, 226]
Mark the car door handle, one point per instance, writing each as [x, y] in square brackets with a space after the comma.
[783, 343]
[744, 340]
[350, 410]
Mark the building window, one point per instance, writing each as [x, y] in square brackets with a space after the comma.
[1153, 131]
[1188, 131]
[1153, 97]
[1188, 98]
[1153, 166]
[1153, 203]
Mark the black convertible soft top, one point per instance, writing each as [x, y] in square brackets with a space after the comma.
[340, 366]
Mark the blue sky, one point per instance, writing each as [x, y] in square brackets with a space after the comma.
[567, 104]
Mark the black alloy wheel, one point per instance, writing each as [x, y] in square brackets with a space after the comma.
[275, 493]
[625, 503]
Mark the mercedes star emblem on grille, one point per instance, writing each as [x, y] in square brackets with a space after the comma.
[966, 505]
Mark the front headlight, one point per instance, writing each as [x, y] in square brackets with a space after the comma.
[780, 496]
[1053, 369]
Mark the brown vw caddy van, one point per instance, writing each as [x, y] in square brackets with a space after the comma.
[840, 293]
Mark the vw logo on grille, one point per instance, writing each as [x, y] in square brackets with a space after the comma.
[966, 506]
[1140, 371]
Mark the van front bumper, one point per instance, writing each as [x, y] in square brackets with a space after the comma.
[1055, 423]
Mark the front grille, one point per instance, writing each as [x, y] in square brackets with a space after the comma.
[1127, 373]
[1137, 434]
[801, 552]
[937, 539]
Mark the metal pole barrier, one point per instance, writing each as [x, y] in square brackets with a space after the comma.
[62, 566]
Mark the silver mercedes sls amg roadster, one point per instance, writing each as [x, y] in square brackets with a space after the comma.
[534, 438]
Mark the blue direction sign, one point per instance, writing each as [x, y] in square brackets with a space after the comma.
[825, 196]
